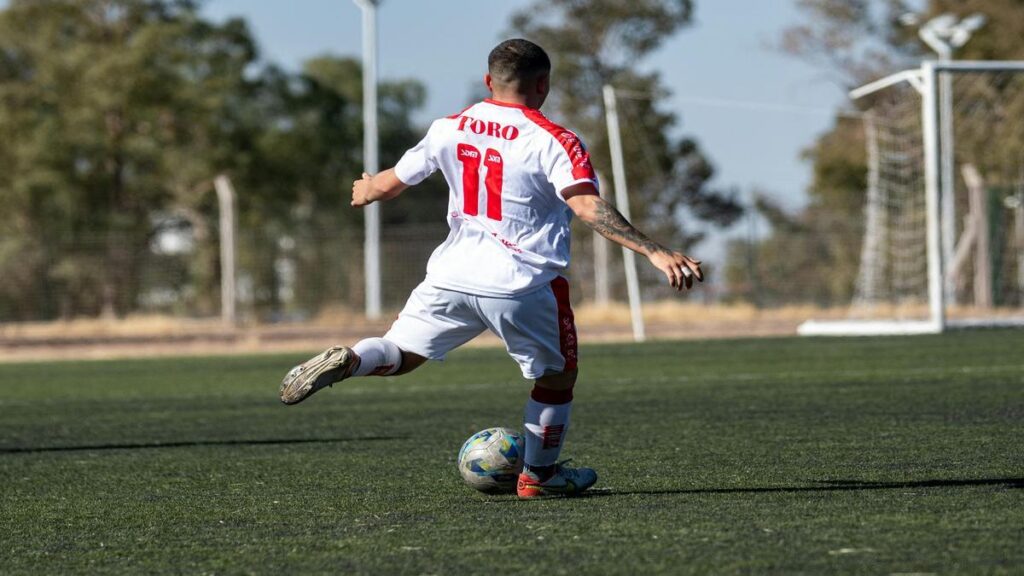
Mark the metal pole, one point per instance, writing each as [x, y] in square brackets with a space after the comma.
[371, 242]
[947, 147]
[602, 293]
[752, 249]
[1018, 226]
[929, 121]
[602, 281]
[622, 203]
[228, 232]
[872, 258]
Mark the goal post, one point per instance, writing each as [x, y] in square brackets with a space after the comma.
[907, 283]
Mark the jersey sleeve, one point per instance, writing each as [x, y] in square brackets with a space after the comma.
[569, 163]
[419, 161]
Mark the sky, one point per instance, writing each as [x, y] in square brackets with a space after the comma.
[752, 108]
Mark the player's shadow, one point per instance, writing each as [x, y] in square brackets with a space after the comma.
[196, 444]
[819, 486]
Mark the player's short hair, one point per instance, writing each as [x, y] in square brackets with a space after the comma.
[517, 60]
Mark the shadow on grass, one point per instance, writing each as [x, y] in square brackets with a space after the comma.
[198, 443]
[822, 486]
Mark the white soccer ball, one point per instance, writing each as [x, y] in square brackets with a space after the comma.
[491, 460]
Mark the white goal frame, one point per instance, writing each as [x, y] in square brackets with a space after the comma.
[925, 81]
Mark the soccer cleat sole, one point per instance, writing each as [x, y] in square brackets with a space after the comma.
[527, 489]
[319, 372]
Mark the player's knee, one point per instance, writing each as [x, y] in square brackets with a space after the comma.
[564, 380]
[410, 362]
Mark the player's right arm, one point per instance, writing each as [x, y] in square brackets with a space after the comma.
[604, 219]
[382, 186]
[415, 165]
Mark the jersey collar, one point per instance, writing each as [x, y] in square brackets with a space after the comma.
[507, 104]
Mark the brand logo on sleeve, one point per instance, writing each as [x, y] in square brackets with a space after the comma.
[578, 155]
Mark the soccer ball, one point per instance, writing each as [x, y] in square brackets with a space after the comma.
[490, 461]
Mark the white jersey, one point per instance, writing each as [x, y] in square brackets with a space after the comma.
[506, 167]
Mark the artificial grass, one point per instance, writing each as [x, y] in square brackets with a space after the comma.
[875, 456]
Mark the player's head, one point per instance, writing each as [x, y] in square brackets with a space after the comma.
[520, 68]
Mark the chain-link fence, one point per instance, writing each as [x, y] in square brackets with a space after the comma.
[860, 238]
[280, 277]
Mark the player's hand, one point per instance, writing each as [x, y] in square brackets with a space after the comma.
[678, 268]
[361, 191]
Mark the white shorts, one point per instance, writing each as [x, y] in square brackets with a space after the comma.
[537, 328]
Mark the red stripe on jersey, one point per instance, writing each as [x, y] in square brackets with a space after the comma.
[581, 189]
[580, 158]
[454, 116]
[566, 323]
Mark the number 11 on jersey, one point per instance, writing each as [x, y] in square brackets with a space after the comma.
[493, 178]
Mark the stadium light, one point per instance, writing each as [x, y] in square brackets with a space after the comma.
[944, 34]
[371, 243]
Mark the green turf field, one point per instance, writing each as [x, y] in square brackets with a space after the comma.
[872, 456]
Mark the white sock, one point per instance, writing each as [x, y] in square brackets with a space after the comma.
[546, 424]
[378, 356]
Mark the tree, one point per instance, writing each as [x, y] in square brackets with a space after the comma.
[811, 256]
[860, 40]
[110, 111]
[116, 117]
[855, 41]
[300, 160]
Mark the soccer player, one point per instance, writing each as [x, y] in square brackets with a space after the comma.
[515, 178]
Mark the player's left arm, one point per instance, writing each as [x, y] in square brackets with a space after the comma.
[382, 186]
[604, 219]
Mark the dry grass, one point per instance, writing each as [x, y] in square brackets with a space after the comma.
[672, 311]
[136, 325]
[587, 315]
[164, 335]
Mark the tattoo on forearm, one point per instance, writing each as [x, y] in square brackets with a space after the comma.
[609, 223]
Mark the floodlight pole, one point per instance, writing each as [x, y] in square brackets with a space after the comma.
[602, 283]
[371, 242]
[944, 34]
[622, 203]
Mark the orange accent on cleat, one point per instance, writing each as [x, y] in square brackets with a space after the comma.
[565, 481]
[527, 487]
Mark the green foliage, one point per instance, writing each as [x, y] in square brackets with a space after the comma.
[109, 111]
[795, 456]
[856, 41]
[117, 114]
[811, 256]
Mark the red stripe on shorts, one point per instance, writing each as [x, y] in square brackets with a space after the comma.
[566, 322]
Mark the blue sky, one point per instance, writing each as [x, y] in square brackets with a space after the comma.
[752, 108]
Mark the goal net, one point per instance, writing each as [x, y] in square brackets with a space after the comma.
[943, 243]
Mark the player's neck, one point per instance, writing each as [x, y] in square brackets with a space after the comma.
[515, 100]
